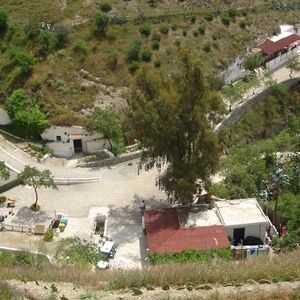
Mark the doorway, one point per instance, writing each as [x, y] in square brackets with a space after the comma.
[238, 235]
[77, 146]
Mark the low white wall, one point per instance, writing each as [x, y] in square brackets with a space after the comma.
[4, 118]
[282, 59]
[255, 230]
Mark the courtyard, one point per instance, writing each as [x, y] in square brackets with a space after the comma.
[121, 189]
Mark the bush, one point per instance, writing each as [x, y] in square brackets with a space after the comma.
[146, 55]
[184, 32]
[192, 255]
[225, 20]
[133, 52]
[145, 30]
[232, 13]
[244, 11]
[164, 29]
[195, 33]
[101, 21]
[157, 63]
[35, 207]
[48, 235]
[81, 47]
[155, 45]
[3, 21]
[193, 19]
[209, 16]
[2, 199]
[61, 31]
[24, 60]
[207, 47]
[133, 67]
[201, 29]
[106, 7]
[242, 24]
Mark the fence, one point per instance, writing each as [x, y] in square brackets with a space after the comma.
[282, 59]
[16, 228]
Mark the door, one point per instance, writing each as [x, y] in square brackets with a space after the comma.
[238, 235]
[77, 146]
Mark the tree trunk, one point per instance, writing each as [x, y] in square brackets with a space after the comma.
[111, 147]
[36, 197]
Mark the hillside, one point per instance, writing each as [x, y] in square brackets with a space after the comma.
[71, 67]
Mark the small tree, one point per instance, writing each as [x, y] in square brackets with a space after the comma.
[3, 21]
[37, 179]
[253, 61]
[16, 102]
[101, 21]
[4, 173]
[106, 122]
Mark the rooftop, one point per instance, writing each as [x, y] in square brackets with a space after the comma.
[164, 233]
[240, 212]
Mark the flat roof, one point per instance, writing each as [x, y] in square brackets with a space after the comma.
[240, 212]
[207, 217]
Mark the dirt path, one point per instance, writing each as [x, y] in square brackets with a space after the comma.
[43, 290]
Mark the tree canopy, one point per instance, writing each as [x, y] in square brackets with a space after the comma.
[172, 118]
[253, 61]
[106, 122]
[37, 179]
[4, 173]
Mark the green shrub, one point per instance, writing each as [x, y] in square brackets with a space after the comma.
[166, 287]
[24, 60]
[209, 16]
[101, 21]
[24, 258]
[193, 19]
[133, 52]
[232, 13]
[157, 63]
[191, 255]
[146, 55]
[225, 20]
[164, 29]
[145, 30]
[82, 48]
[133, 67]
[207, 47]
[242, 24]
[48, 235]
[155, 45]
[61, 32]
[3, 21]
[136, 292]
[2, 199]
[184, 32]
[195, 33]
[201, 29]
[244, 11]
[174, 27]
[105, 7]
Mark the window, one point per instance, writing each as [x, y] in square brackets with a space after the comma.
[58, 138]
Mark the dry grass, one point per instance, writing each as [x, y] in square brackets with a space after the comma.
[283, 267]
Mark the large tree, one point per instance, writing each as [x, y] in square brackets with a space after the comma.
[253, 61]
[173, 120]
[106, 122]
[37, 179]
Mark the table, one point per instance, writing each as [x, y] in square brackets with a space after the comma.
[107, 247]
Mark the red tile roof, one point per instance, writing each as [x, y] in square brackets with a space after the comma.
[269, 47]
[164, 234]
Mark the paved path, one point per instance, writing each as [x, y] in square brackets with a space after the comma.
[280, 75]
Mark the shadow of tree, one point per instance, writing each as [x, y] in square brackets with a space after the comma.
[25, 216]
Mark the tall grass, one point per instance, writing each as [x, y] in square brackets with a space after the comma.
[282, 267]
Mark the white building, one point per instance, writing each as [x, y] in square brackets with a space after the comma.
[241, 219]
[65, 141]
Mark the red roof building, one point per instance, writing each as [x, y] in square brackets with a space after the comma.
[165, 235]
[269, 48]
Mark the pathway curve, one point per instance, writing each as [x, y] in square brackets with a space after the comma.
[280, 75]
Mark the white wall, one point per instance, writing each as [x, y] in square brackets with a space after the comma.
[256, 230]
[61, 149]
[4, 118]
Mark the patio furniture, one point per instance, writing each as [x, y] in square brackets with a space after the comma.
[107, 247]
